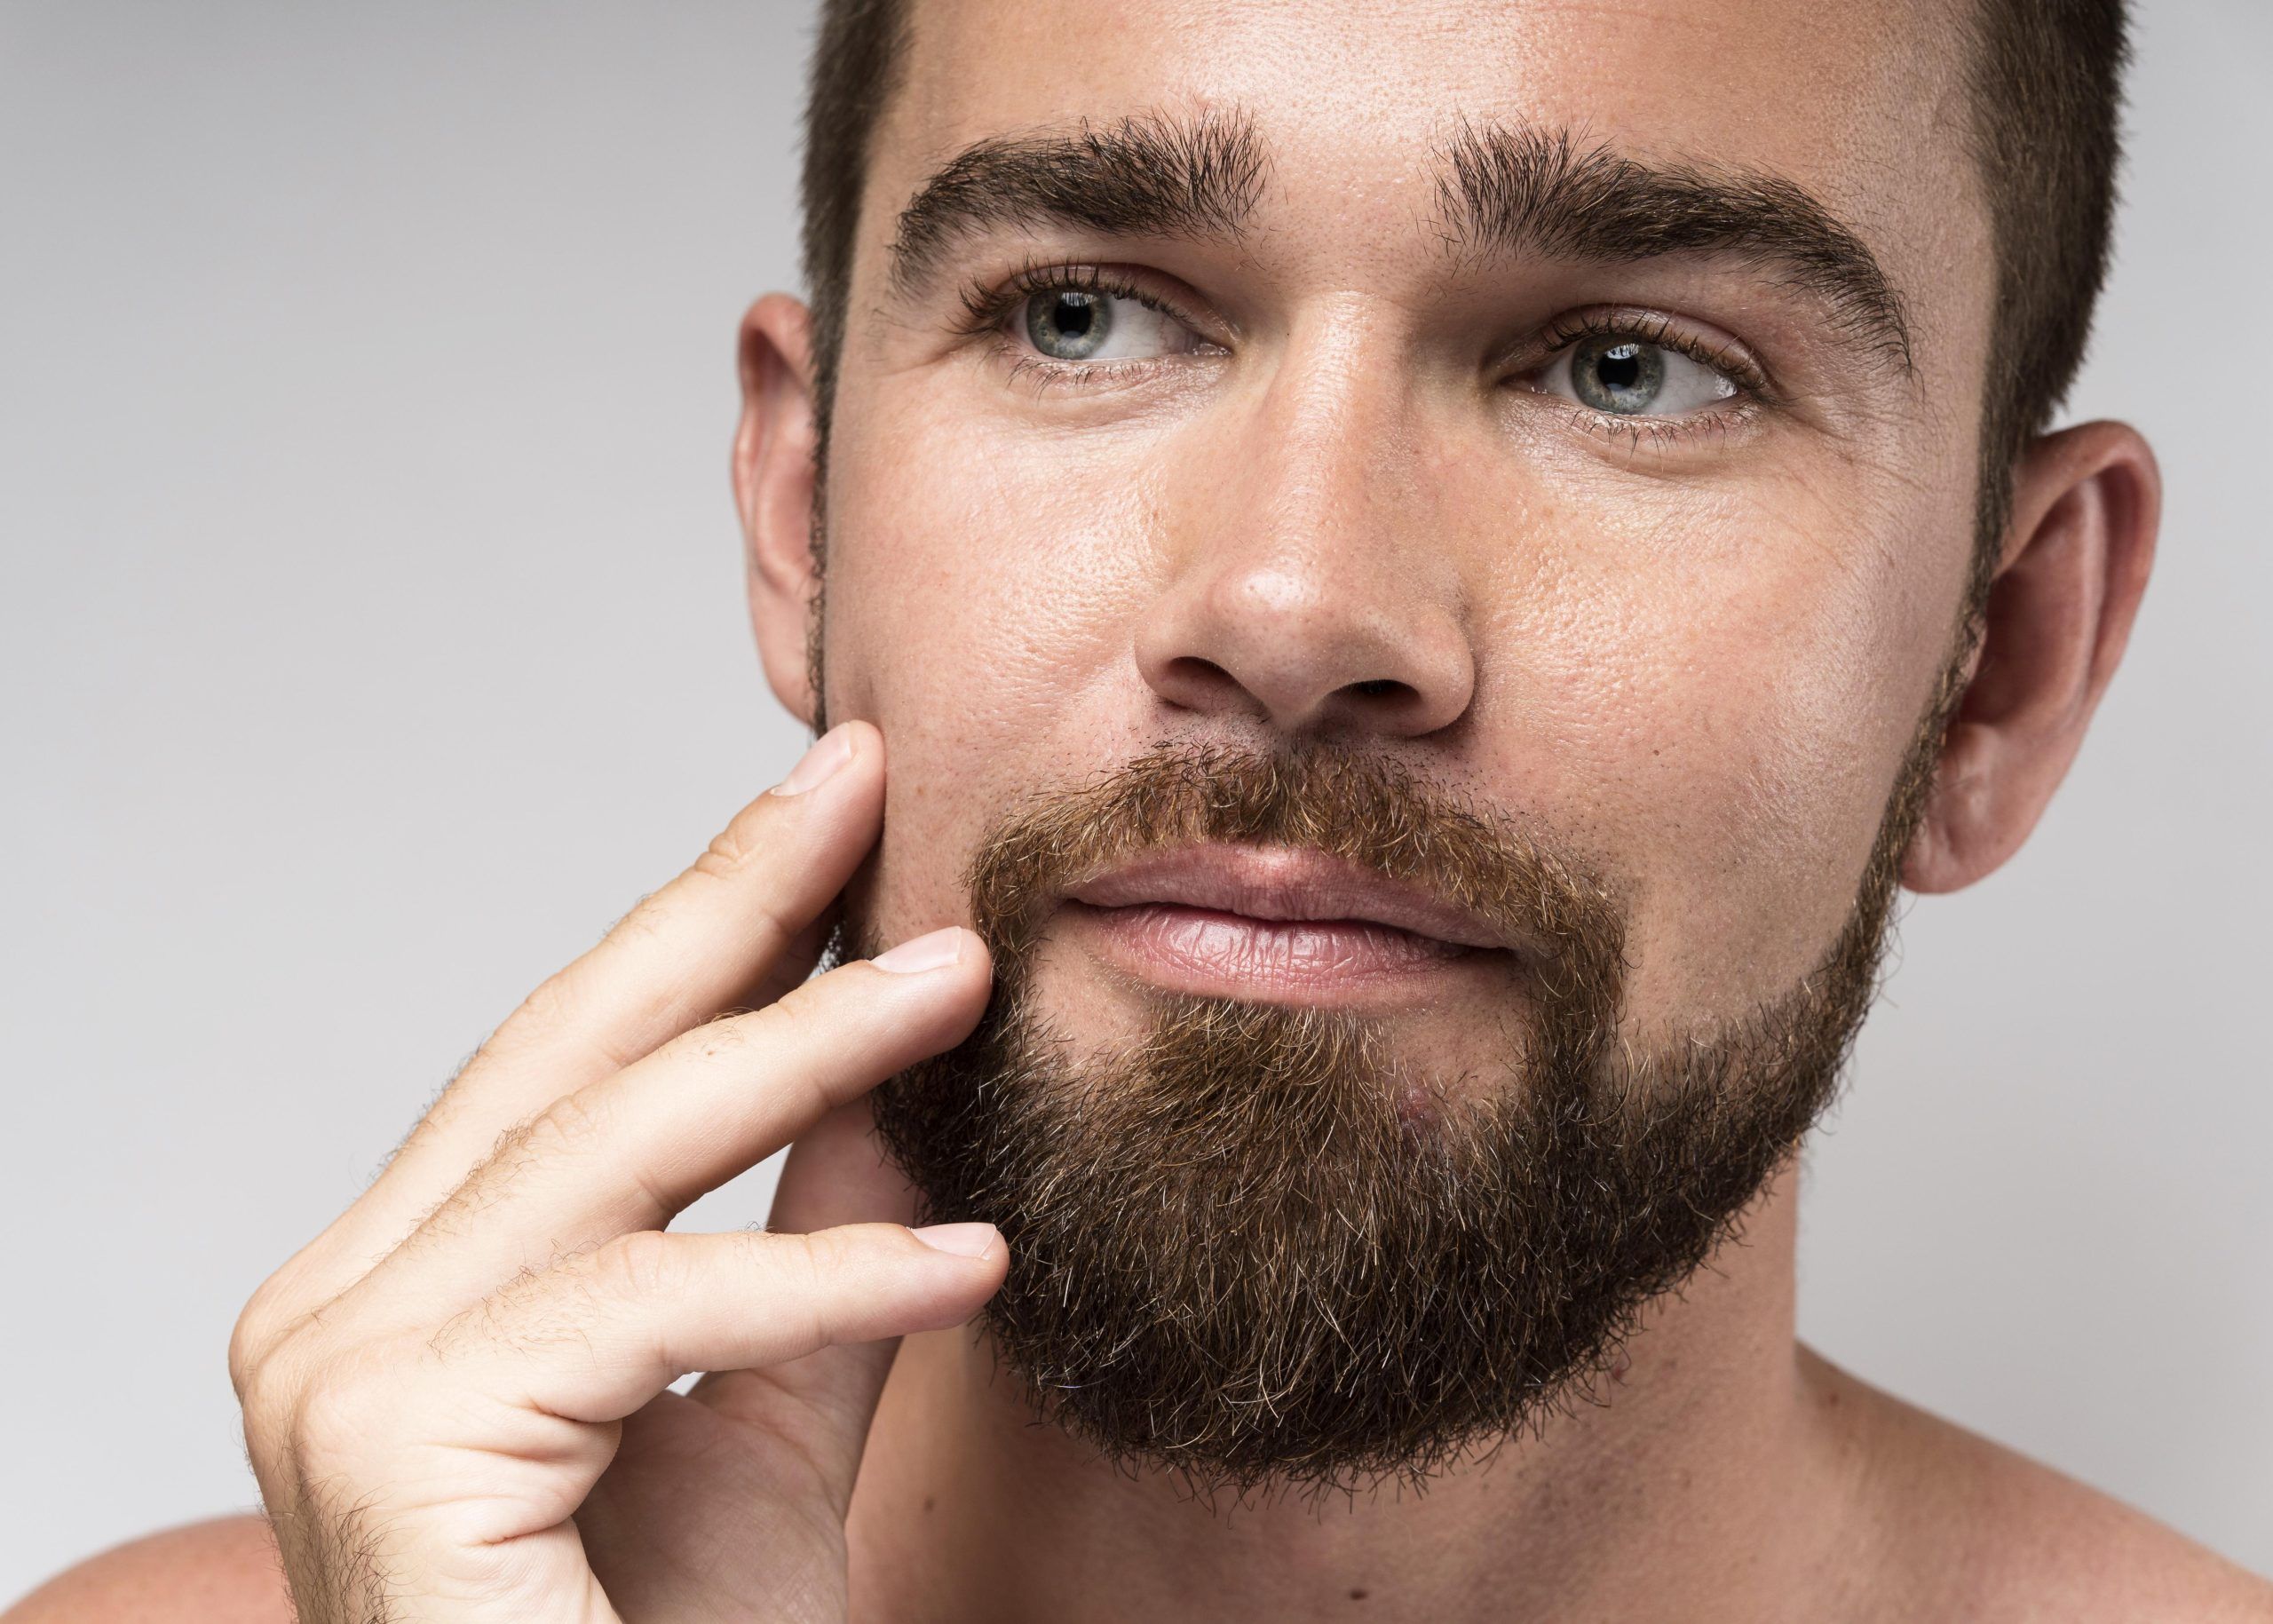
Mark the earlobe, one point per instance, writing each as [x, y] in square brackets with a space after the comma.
[774, 473]
[2087, 503]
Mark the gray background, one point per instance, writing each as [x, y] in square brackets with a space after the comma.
[371, 635]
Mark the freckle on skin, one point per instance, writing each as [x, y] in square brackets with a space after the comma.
[1357, 1596]
[930, 1501]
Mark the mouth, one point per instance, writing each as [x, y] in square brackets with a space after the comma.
[1274, 924]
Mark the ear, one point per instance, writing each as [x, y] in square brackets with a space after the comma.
[773, 490]
[2085, 504]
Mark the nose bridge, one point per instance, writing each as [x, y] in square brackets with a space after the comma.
[1302, 585]
[1322, 450]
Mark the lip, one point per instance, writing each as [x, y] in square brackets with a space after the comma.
[1272, 921]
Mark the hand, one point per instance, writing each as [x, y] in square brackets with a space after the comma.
[456, 1397]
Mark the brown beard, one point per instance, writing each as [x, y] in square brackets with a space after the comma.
[1236, 1255]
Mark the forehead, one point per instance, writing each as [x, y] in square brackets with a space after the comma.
[1765, 77]
[1861, 102]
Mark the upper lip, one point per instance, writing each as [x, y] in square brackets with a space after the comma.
[1283, 883]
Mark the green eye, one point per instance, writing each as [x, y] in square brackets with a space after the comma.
[1067, 324]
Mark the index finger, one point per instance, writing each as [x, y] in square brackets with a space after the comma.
[740, 926]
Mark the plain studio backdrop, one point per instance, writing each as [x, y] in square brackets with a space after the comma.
[372, 636]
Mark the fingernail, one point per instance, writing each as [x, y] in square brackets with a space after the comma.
[935, 951]
[963, 1240]
[819, 764]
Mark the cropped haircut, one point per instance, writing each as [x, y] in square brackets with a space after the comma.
[2044, 82]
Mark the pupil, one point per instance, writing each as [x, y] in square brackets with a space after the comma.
[1620, 368]
[1069, 324]
[1074, 315]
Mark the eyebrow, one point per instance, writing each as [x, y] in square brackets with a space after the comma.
[1501, 188]
[1152, 176]
[1511, 189]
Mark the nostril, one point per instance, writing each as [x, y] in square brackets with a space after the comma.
[1206, 673]
[1383, 687]
[1199, 684]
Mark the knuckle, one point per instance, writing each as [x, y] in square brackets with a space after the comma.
[305, 1395]
[807, 1007]
[344, 1408]
[642, 1267]
[730, 1038]
[807, 999]
[736, 849]
[478, 1325]
[262, 1342]
[247, 1343]
[561, 1004]
[814, 1045]
[241, 1363]
[819, 1257]
[573, 999]
[535, 1312]
[251, 1336]
[265, 1397]
[554, 1001]
[647, 919]
[573, 1125]
[828, 1260]
[565, 1129]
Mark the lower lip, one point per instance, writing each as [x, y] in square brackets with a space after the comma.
[1204, 952]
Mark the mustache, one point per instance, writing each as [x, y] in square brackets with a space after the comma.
[1367, 809]
[1261, 1244]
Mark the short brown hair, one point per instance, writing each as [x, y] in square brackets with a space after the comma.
[2046, 84]
[2046, 88]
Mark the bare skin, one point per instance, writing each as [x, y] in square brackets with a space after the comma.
[1341, 490]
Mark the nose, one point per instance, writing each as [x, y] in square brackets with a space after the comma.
[1302, 589]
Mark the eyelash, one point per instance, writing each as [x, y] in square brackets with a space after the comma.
[1754, 388]
[988, 307]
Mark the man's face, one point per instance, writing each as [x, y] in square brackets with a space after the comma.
[1695, 647]
[1574, 410]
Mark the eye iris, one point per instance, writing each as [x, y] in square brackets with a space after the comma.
[1617, 375]
[1068, 324]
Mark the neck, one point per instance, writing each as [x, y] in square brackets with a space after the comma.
[1710, 1473]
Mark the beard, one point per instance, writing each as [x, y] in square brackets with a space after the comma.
[1240, 1251]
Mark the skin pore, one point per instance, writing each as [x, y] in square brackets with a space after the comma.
[1328, 478]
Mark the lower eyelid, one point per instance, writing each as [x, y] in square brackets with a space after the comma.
[1739, 414]
[1043, 372]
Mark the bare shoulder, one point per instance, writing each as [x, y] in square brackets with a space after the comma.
[1984, 1533]
[223, 1572]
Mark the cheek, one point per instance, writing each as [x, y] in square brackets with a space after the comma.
[982, 588]
[1721, 695]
